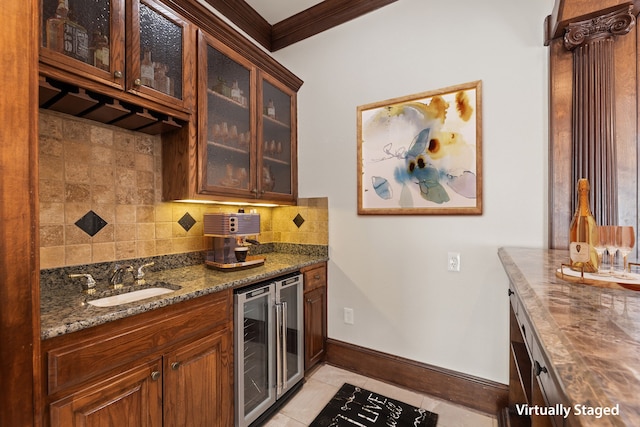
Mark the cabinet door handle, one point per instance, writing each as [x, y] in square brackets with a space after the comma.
[155, 375]
[539, 368]
[175, 366]
[316, 277]
[137, 82]
[510, 292]
[117, 74]
[309, 300]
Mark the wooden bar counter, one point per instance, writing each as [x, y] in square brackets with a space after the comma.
[575, 355]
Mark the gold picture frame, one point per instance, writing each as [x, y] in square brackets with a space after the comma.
[422, 154]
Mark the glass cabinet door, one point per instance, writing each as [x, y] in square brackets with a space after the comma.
[157, 63]
[226, 123]
[278, 148]
[254, 345]
[91, 32]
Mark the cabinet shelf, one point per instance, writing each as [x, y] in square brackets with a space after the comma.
[276, 161]
[224, 98]
[269, 119]
[227, 147]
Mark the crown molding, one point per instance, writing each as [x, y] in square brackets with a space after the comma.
[309, 22]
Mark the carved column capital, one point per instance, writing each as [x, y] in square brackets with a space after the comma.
[618, 22]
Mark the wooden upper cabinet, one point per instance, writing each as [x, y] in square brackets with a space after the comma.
[246, 148]
[139, 46]
[277, 171]
[86, 38]
[161, 54]
[227, 110]
[227, 122]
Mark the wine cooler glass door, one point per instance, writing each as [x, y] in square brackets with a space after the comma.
[255, 365]
[290, 298]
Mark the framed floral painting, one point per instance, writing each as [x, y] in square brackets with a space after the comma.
[422, 154]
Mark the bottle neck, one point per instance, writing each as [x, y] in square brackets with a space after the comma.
[583, 203]
[63, 9]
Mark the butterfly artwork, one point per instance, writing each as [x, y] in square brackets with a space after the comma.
[421, 154]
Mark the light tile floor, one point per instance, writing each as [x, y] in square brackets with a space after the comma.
[327, 380]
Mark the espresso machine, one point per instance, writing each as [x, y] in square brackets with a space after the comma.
[230, 232]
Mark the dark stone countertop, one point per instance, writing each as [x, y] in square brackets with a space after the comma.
[65, 309]
[590, 334]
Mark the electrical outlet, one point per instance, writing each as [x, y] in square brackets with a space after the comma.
[453, 261]
[348, 316]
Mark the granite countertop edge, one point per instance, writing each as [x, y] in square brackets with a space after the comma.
[64, 309]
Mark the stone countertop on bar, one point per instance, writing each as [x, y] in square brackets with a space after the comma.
[590, 334]
[65, 309]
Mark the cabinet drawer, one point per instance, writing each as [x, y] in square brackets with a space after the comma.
[315, 278]
[513, 300]
[79, 357]
[523, 322]
[548, 384]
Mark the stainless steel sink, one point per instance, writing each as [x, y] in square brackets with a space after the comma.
[133, 296]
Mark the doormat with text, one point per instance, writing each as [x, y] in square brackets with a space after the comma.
[355, 406]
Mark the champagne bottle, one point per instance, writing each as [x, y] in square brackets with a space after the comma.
[583, 233]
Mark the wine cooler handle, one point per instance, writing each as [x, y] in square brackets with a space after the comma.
[278, 349]
[284, 346]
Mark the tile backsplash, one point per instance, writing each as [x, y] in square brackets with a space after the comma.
[101, 199]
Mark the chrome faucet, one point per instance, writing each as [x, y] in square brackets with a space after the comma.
[117, 276]
[89, 287]
[140, 274]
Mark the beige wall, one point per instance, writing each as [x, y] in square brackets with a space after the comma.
[392, 270]
[86, 166]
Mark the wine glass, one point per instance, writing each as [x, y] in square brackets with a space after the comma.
[625, 240]
[610, 244]
[599, 245]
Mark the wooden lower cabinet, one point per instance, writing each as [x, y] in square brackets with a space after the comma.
[169, 367]
[197, 383]
[315, 314]
[133, 398]
[531, 383]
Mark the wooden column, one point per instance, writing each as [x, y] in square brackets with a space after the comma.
[593, 110]
[19, 270]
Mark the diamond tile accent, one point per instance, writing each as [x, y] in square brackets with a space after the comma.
[91, 223]
[186, 221]
[298, 220]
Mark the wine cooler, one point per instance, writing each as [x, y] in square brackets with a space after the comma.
[268, 333]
